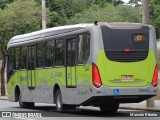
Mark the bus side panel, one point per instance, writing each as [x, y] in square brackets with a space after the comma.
[45, 81]
[19, 79]
[11, 87]
[84, 82]
[41, 91]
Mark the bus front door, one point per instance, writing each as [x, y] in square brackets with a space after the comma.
[70, 63]
[31, 66]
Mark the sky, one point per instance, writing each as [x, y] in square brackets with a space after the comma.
[125, 1]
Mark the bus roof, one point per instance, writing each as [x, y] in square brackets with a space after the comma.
[33, 36]
[123, 25]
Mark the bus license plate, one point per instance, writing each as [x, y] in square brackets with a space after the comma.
[127, 77]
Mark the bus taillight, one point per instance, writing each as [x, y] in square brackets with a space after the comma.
[96, 79]
[155, 77]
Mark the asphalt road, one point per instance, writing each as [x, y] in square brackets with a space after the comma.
[82, 113]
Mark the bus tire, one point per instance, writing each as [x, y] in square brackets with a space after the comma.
[60, 107]
[109, 108]
[25, 104]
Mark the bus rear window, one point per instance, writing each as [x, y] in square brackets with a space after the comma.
[126, 45]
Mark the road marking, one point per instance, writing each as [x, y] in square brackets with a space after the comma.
[20, 118]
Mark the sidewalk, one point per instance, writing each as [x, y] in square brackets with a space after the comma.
[3, 97]
[141, 106]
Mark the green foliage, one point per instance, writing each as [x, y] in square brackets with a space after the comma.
[117, 2]
[17, 18]
[135, 1]
[23, 16]
[65, 9]
[62, 10]
[99, 2]
[108, 13]
[4, 2]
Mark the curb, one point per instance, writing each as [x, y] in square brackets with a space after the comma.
[3, 98]
[146, 109]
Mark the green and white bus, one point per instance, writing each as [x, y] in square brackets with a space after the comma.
[100, 64]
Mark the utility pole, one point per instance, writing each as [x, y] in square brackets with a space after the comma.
[145, 14]
[43, 14]
[145, 19]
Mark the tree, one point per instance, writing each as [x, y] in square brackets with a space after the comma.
[65, 9]
[3, 3]
[15, 19]
[107, 13]
[135, 3]
[117, 2]
[102, 2]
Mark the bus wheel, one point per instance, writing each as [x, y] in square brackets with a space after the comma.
[60, 107]
[25, 104]
[110, 108]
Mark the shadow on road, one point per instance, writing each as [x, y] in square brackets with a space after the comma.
[50, 111]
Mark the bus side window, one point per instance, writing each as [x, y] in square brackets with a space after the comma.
[31, 57]
[24, 57]
[71, 52]
[49, 55]
[83, 48]
[59, 53]
[40, 55]
[17, 58]
[10, 62]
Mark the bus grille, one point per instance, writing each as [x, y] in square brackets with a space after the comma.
[131, 56]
